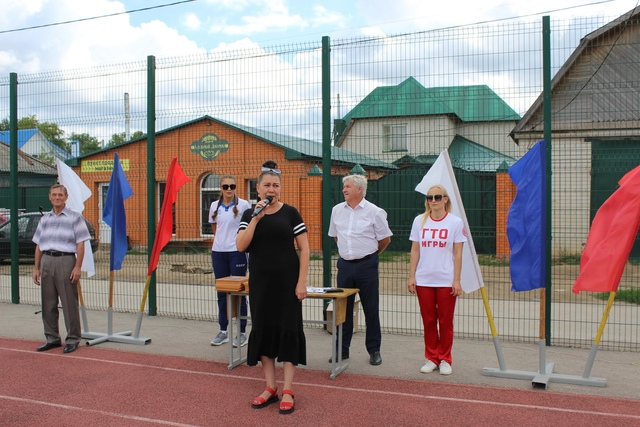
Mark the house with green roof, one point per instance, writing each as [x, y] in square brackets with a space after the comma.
[410, 119]
[409, 125]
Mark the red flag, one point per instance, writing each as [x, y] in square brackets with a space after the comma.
[612, 235]
[176, 178]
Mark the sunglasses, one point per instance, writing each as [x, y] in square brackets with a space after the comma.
[227, 186]
[437, 198]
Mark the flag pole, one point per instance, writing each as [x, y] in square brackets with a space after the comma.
[110, 308]
[143, 303]
[494, 331]
[596, 341]
[544, 368]
[83, 310]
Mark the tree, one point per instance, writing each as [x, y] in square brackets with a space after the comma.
[88, 143]
[120, 138]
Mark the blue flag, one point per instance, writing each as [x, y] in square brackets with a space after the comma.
[114, 215]
[527, 220]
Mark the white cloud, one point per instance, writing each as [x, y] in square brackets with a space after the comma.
[86, 43]
[267, 16]
[191, 21]
[230, 4]
[324, 17]
[418, 15]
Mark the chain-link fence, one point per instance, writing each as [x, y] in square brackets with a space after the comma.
[396, 103]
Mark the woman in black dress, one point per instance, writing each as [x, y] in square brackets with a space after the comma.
[277, 285]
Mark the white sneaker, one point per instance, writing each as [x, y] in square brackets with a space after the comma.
[445, 368]
[428, 367]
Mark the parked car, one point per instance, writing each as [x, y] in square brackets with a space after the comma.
[27, 224]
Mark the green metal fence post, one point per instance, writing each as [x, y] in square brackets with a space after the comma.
[151, 175]
[326, 161]
[546, 77]
[13, 178]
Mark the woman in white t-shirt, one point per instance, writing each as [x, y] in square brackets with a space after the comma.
[437, 238]
[224, 217]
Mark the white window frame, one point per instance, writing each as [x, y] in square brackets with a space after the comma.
[395, 137]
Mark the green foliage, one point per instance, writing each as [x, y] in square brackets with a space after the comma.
[120, 138]
[88, 143]
[388, 256]
[566, 258]
[491, 260]
[631, 296]
[47, 157]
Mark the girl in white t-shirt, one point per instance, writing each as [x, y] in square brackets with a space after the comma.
[224, 217]
[437, 238]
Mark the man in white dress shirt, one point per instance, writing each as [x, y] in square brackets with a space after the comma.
[361, 231]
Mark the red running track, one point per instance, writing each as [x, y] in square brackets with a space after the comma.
[101, 387]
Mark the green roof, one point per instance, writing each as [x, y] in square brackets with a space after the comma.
[305, 149]
[476, 103]
[471, 156]
[466, 155]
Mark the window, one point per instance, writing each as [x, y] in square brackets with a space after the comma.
[209, 192]
[394, 137]
[252, 192]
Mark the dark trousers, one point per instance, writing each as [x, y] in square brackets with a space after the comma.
[364, 276]
[227, 264]
[55, 284]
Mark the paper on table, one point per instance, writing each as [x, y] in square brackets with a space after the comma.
[313, 290]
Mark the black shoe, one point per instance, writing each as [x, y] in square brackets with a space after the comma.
[48, 346]
[70, 348]
[344, 357]
[375, 358]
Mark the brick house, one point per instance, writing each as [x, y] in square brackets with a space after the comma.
[206, 149]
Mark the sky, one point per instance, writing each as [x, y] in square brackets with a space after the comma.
[42, 36]
[194, 27]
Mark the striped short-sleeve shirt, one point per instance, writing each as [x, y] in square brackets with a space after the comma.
[61, 232]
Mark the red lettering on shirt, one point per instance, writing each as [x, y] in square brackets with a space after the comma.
[430, 234]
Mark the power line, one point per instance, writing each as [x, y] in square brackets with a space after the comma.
[96, 17]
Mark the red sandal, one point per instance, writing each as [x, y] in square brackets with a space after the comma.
[287, 407]
[260, 402]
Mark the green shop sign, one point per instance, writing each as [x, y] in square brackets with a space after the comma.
[209, 146]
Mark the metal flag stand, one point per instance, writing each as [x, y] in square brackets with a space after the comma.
[98, 337]
[545, 374]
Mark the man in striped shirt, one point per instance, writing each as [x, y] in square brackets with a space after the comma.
[59, 240]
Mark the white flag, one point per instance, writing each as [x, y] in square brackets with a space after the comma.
[78, 194]
[442, 173]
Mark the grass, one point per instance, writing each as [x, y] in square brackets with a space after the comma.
[625, 295]
[566, 258]
[491, 260]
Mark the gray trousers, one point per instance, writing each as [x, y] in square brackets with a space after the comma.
[55, 283]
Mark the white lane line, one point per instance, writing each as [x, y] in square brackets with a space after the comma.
[95, 411]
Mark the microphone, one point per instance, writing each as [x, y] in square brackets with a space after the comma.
[266, 203]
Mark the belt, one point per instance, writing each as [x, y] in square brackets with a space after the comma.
[56, 253]
[364, 258]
